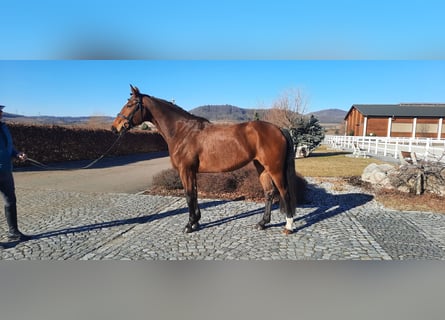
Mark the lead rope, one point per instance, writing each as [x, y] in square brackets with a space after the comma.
[46, 167]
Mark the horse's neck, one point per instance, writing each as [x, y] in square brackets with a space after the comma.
[167, 119]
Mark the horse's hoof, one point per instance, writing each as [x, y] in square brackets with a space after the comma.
[191, 228]
[260, 226]
[287, 231]
[188, 229]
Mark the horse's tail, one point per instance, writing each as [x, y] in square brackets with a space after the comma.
[291, 176]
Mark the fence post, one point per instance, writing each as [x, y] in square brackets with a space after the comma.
[427, 148]
[385, 148]
[363, 142]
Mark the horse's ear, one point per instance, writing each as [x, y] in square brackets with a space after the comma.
[134, 91]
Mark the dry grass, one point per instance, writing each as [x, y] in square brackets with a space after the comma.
[411, 202]
[402, 201]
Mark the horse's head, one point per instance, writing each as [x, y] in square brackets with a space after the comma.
[132, 113]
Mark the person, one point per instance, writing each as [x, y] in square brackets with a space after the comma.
[7, 187]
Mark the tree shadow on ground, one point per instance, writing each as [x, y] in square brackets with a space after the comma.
[326, 205]
[329, 154]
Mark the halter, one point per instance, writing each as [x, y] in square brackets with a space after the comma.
[129, 118]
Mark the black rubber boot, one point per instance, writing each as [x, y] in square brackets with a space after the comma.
[11, 218]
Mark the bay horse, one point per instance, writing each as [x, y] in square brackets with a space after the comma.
[196, 146]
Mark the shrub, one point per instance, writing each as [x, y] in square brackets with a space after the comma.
[61, 143]
[232, 182]
[168, 179]
[240, 184]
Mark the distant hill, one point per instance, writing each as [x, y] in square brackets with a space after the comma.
[212, 112]
[54, 120]
[226, 113]
[330, 115]
[7, 115]
[233, 113]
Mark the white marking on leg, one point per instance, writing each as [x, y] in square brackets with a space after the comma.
[289, 222]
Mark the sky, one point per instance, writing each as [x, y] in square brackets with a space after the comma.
[92, 87]
[77, 58]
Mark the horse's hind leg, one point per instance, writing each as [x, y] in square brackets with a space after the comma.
[285, 202]
[269, 193]
[188, 178]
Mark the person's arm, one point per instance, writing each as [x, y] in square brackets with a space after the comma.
[19, 155]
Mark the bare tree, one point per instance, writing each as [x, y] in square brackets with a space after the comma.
[288, 109]
[288, 112]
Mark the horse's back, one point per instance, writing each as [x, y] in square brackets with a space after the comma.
[229, 147]
[249, 135]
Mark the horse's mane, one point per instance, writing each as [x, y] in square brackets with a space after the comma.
[178, 110]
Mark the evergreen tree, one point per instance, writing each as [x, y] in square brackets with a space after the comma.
[307, 131]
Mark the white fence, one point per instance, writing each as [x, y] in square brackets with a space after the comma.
[425, 149]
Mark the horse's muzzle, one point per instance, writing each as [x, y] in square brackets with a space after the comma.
[115, 131]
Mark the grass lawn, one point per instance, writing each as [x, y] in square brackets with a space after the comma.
[325, 162]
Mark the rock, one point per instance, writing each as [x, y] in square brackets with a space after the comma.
[416, 179]
[377, 175]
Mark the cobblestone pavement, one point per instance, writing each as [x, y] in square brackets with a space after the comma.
[337, 223]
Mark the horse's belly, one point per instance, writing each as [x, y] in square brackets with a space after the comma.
[214, 168]
[222, 162]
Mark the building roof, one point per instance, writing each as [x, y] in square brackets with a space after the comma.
[419, 110]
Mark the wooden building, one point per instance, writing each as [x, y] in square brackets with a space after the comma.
[413, 120]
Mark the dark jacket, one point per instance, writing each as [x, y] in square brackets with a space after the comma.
[7, 150]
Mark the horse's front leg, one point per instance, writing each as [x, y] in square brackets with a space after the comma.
[188, 178]
[194, 213]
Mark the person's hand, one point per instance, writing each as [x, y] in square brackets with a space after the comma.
[22, 156]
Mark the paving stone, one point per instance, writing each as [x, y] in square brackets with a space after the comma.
[334, 224]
